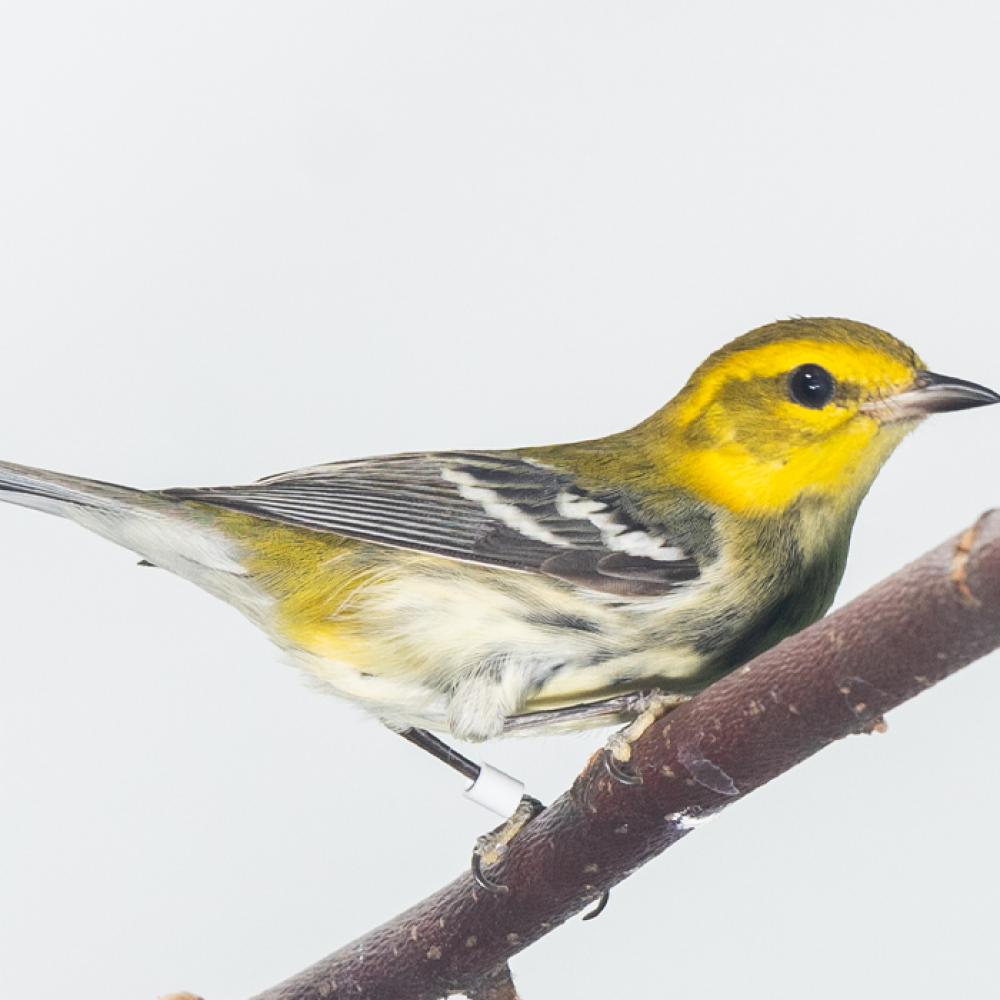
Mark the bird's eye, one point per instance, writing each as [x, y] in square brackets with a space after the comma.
[812, 386]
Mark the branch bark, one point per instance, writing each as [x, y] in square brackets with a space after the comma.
[835, 678]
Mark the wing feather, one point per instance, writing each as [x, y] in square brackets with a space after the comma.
[495, 508]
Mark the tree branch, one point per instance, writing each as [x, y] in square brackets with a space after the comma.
[835, 678]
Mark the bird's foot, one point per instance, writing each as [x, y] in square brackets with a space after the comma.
[492, 846]
[652, 705]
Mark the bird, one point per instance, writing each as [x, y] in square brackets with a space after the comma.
[476, 593]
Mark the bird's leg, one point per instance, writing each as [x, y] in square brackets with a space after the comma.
[491, 788]
[644, 706]
[501, 794]
[439, 749]
[609, 712]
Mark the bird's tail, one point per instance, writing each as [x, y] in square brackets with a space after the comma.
[170, 533]
[64, 496]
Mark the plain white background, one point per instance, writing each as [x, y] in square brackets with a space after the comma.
[240, 238]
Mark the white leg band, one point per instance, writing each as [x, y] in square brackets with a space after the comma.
[496, 791]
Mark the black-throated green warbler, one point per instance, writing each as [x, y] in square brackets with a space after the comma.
[459, 590]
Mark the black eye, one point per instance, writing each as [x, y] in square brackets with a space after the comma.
[812, 386]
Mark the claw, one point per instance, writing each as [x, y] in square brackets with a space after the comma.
[602, 902]
[493, 845]
[619, 771]
[483, 880]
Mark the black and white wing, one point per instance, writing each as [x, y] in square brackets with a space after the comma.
[496, 508]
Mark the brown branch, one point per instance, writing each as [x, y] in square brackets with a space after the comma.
[836, 678]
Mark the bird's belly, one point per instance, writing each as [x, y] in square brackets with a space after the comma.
[429, 642]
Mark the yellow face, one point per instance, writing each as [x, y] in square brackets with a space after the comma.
[761, 425]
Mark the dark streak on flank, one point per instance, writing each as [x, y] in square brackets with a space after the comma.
[557, 622]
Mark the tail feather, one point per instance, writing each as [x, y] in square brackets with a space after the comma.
[55, 493]
[162, 530]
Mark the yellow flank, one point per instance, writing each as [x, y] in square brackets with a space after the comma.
[316, 580]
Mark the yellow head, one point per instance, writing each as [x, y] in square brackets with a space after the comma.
[801, 408]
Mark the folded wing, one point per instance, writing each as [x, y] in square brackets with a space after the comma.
[495, 508]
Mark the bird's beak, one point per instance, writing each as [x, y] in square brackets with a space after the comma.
[930, 393]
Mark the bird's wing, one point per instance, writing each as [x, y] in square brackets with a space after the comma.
[496, 508]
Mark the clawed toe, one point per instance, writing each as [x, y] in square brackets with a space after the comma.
[493, 845]
[651, 706]
[620, 771]
[602, 902]
[482, 879]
